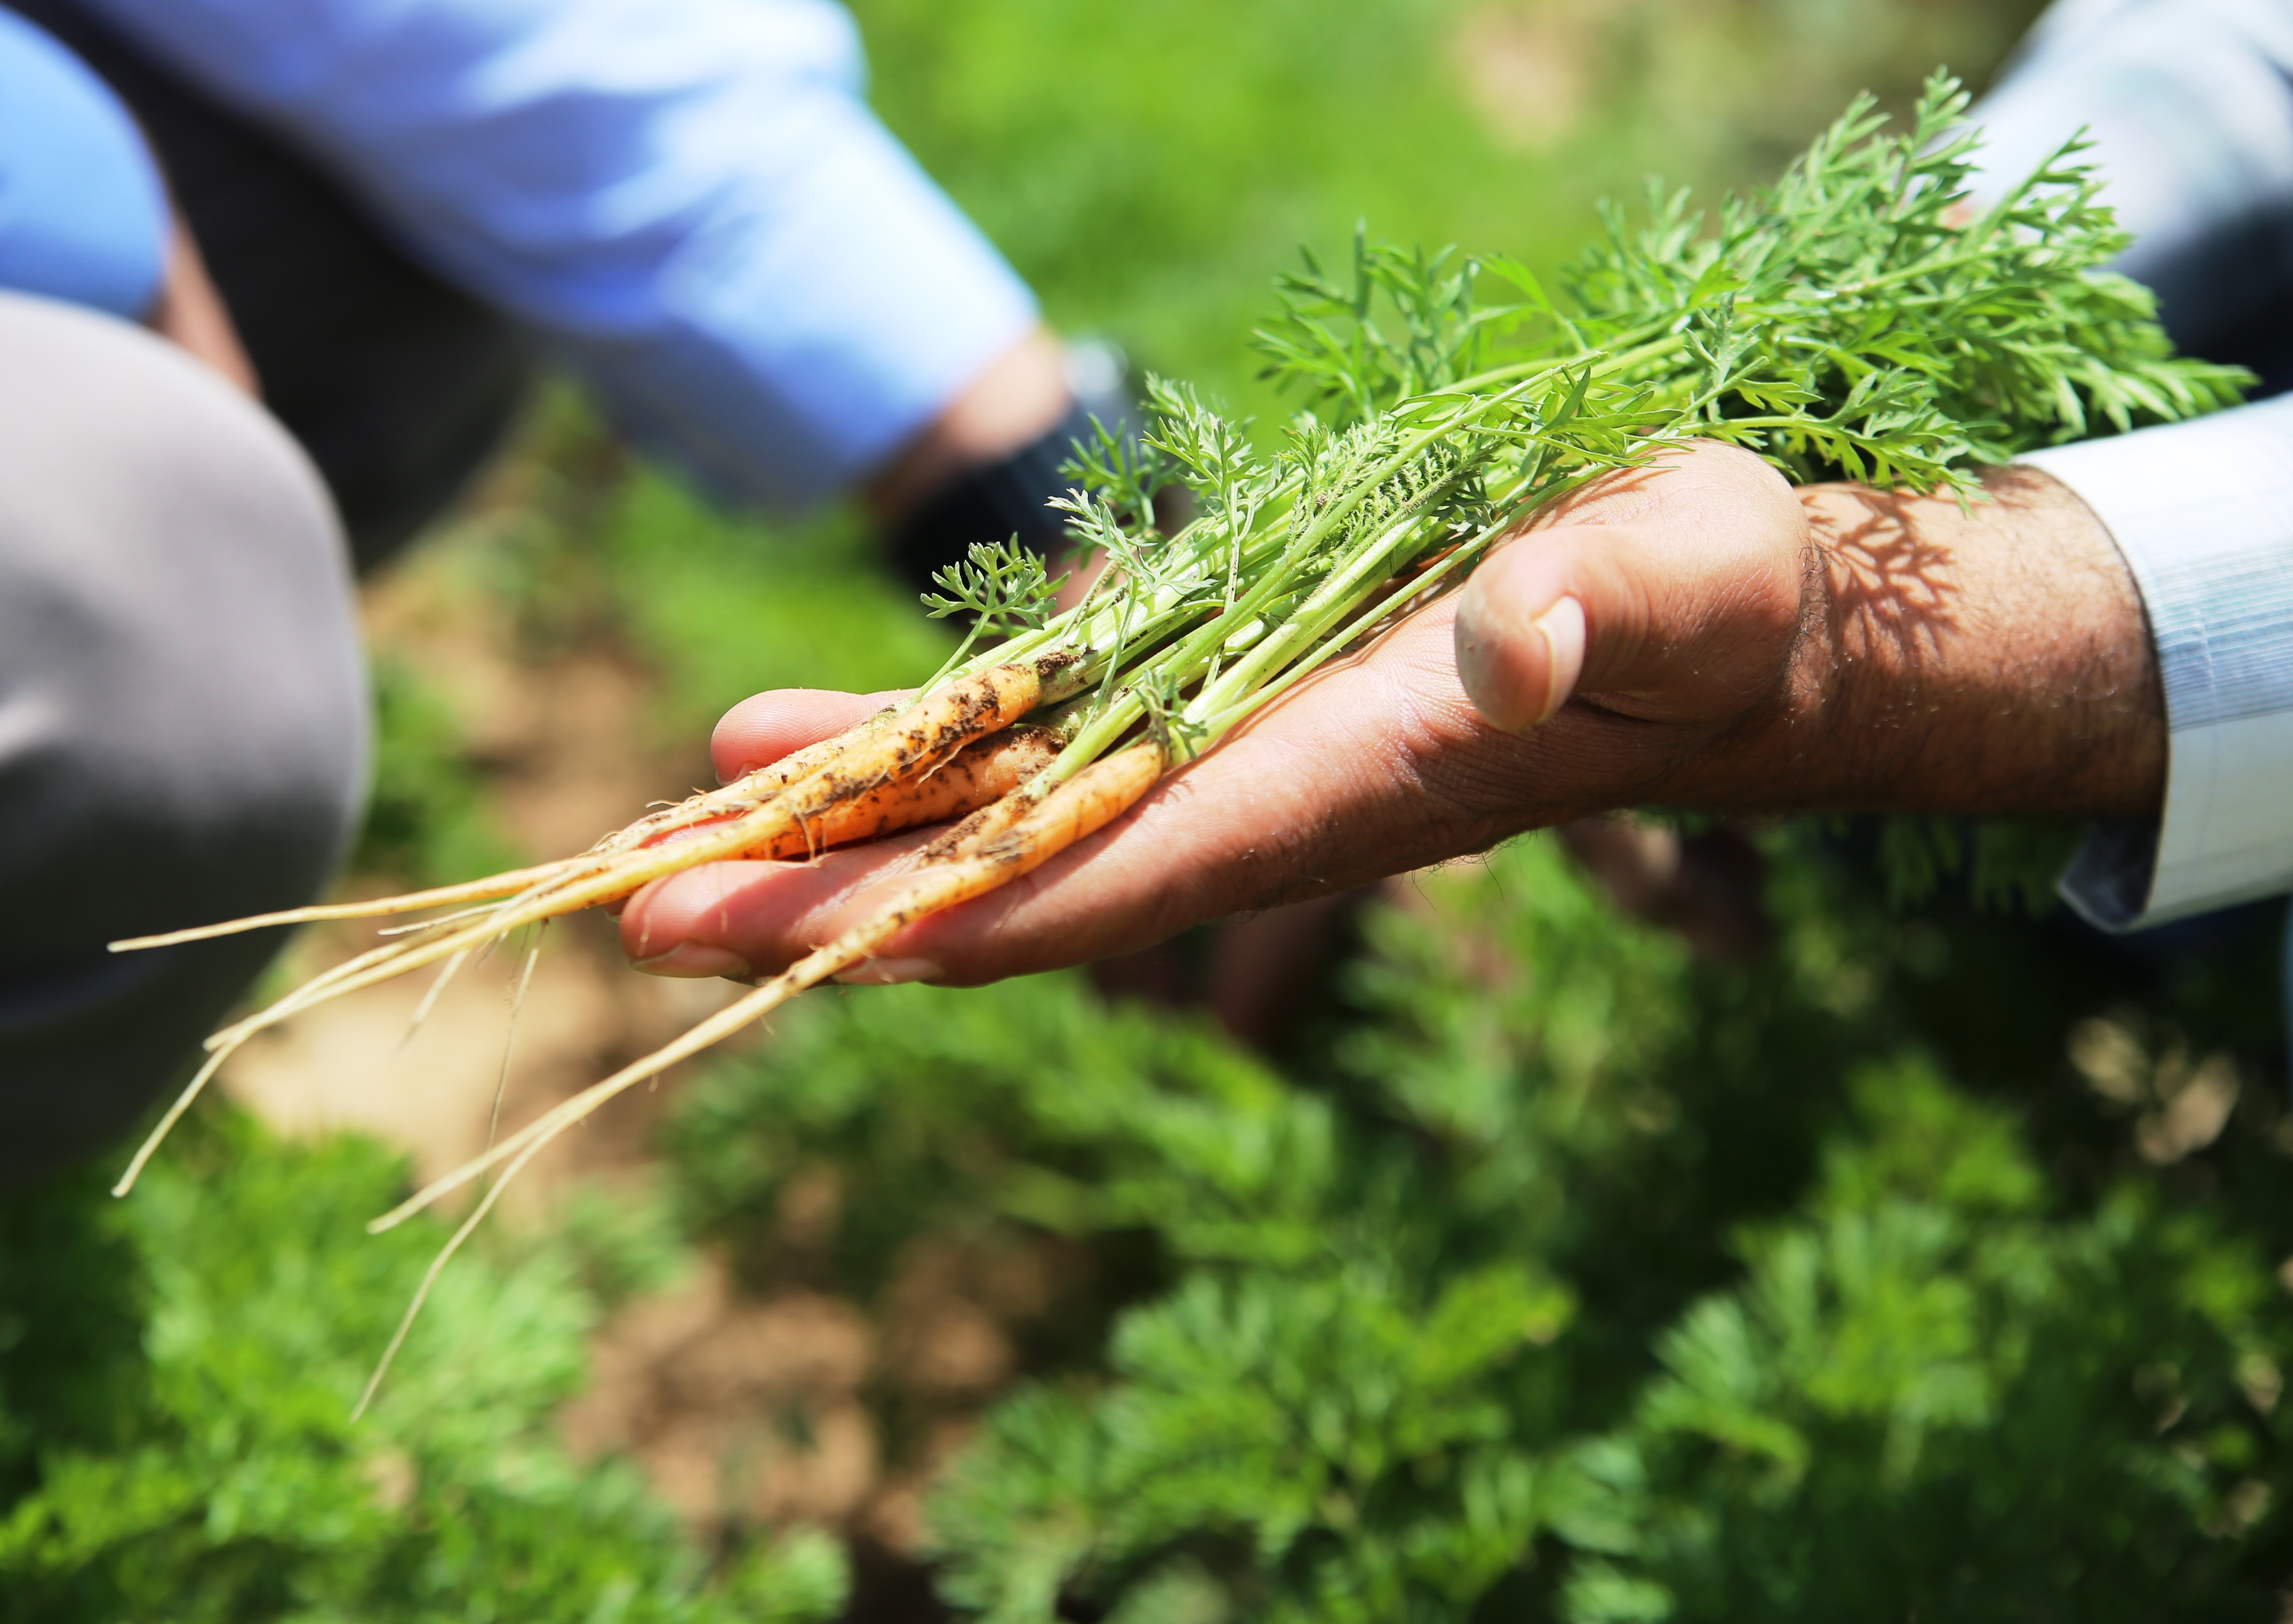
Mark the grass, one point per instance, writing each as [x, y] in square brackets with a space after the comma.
[1149, 167]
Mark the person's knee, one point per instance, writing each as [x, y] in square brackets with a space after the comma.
[182, 711]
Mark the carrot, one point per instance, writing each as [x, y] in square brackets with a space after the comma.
[980, 775]
[868, 762]
[996, 851]
[923, 729]
[486, 890]
[745, 793]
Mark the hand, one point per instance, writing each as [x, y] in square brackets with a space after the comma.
[1695, 634]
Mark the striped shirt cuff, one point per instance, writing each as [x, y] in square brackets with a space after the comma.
[2203, 514]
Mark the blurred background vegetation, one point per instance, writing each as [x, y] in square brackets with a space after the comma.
[1926, 1264]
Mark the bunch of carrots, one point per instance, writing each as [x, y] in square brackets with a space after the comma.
[1844, 322]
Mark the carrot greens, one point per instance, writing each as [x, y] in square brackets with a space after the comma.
[1861, 319]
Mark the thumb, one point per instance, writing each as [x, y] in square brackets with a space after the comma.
[1549, 613]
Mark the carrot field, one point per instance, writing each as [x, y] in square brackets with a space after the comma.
[1928, 1261]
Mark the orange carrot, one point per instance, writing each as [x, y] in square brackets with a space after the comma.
[922, 739]
[980, 775]
[955, 869]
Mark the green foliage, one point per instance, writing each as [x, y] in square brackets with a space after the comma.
[958, 1110]
[590, 551]
[1844, 323]
[2004, 331]
[1000, 587]
[620, 1242]
[2006, 863]
[1004, 586]
[176, 1373]
[1932, 1394]
[1578, 1281]
[1143, 166]
[726, 607]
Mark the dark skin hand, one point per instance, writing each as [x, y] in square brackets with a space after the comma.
[1695, 634]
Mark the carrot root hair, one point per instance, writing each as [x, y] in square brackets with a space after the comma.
[938, 757]
[995, 854]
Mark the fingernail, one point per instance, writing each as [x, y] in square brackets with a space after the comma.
[1478, 666]
[696, 960]
[1489, 645]
[890, 972]
[1563, 629]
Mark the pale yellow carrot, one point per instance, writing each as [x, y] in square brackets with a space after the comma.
[966, 864]
[877, 756]
[980, 775]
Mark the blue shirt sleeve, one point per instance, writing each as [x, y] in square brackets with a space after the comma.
[692, 198]
[83, 215]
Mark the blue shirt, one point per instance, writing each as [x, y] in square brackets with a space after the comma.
[83, 217]
[689, 197]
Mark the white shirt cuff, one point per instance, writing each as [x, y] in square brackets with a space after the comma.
[2203, 514]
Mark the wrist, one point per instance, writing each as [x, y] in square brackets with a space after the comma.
[1017, 401]
[1993, 660]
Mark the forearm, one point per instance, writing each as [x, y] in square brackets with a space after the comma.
[694, 204]
[1988, 660]
[191, 313]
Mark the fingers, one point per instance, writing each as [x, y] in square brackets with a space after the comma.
[758, 731]
[1549, 612]
[748, 918]
[1520, 644]
[1323, 792]
[1673, 597]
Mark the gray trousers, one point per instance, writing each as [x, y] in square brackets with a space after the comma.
[183, 712]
